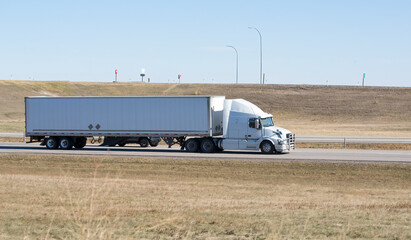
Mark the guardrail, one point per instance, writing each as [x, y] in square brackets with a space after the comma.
[342, 139]
[11, 134]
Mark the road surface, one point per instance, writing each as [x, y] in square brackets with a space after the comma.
[313, 139]
[317, 155]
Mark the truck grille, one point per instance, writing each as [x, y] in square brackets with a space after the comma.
[291, 140]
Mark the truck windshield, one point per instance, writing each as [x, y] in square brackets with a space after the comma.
[267, 122]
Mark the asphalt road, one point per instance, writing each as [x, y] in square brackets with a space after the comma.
[314, 139]
[314, 155]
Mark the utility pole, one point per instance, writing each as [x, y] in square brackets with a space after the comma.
[143, 73]
[261, 53]
[236, 72]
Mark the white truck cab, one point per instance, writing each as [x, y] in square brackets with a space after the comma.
[247, 127]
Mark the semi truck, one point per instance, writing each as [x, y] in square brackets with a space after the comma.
[197, 123]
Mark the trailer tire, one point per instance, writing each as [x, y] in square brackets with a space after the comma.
[144, 142]
[267, 147]
[192, 145]
[154, 143]
[122, 144]
[66, 143]
[52, 143]
[80, 142]
[207, 145]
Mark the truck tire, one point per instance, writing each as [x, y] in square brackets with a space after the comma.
[52, 143]
[207, 145]
[144, 142]
[267, 147]
[154, 143]
[192, 145]
[122, 144]
[80, 142]
[66, 143]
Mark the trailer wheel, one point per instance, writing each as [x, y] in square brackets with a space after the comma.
[122, 144]
[192, 145]
[52, 143]
[66, 143]
[267, 147]
[154, 143]
[207, 145]
[144, 142]
[80, 142]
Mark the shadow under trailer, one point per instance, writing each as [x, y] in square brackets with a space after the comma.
[196, 123]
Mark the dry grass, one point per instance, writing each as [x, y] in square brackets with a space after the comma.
[306, 110]
[56, 197]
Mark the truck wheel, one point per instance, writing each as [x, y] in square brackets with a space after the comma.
[52, 143]
[80, 142]
[207, 145]
[144, 142]
[153, 143]
[192, 145]
[122, 144]
[267, 147]
[66, 143]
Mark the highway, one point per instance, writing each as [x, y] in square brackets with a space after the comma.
[312, 139]
[310, 155]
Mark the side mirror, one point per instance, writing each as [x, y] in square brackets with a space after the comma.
[257, 124]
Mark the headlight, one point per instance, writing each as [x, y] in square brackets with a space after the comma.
[278, 134]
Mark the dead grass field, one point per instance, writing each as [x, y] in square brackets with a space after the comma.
[56, 197]
[306, 110]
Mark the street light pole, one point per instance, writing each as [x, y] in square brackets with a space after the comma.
[143, 73]
[236, 73]
[261, 54]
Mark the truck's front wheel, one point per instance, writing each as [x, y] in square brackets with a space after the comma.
[267, 147]
[52, 143]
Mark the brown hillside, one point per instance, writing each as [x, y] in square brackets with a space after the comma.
[305, 109]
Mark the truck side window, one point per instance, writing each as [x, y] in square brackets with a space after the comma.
[251, 123]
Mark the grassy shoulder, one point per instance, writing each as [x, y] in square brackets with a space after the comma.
[131, 198]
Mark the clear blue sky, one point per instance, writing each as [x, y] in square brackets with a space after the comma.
[304, 42]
